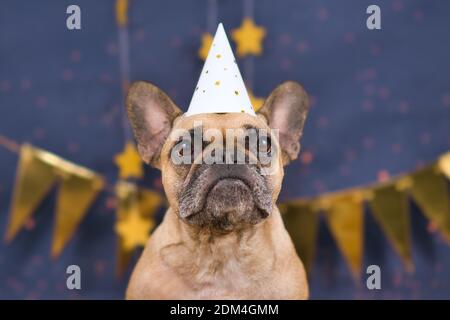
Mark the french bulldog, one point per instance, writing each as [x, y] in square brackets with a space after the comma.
[223, 236]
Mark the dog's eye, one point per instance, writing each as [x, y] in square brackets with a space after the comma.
[184, 148]
[265, 145]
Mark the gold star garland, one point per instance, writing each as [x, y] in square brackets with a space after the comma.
[207, 40]
[129, 162]
[248, 38]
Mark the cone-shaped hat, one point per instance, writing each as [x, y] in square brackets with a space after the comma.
[220, 88]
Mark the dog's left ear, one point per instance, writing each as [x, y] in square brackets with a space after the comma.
[286, 109]
[151, 113]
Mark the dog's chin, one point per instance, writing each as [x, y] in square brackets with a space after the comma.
[228, 205]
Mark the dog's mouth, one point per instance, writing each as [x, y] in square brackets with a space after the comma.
[226, 198]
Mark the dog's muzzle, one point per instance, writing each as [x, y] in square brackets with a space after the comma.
[225, 196]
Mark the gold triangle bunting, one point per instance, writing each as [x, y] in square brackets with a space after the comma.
[79, 188]
[345, 218]
[301, 222]
[444, 164]
[430, 191]
[34, 179]
[390, 208]
[37, 172]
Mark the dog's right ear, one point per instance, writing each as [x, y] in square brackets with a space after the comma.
[151, 113]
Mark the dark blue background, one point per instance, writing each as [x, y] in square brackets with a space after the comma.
[380, 106]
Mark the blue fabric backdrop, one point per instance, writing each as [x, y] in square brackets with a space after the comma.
[380, 106]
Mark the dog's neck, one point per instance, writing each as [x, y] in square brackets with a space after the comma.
[204, 256]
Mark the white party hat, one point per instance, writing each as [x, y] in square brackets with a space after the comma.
[220, 88]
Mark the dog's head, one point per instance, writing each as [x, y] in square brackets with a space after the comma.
[219, 171]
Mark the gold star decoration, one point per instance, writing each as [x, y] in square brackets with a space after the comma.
[257, 102]
[134, 230]
[129, 162]
[207, 40]
[248, 38]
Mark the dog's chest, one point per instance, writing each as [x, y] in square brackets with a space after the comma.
[218, 270]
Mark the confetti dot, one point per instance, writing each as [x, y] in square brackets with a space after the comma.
[5, 86]
[384, 92]
[39, 133]
[383, 175]
[350, 155]
[242, 110]
[111, 203]
[30, 224]
[285, 40]
[285, 64]
[418, 15]
[432, 227]
[111, 49]
[375, 50]
[367, 105]
[446, 99]
[75, 56]
[203, 91]
[99, 267]
[207, 71]
[236, 93]
[344, 170]
[218, 56]
[306, 157]
[323, 14]
[73, 147]
[217, 83]
[323, 122]
[67, 75]
[36, 260]
[83, 120]
[140, 34]
[25, 84]
[302, 46]
[175, 42]
[42, 284]
[425, 138]
[397, 5]
[319, 186]
[396, 148]
[41, 102]
[157, 184]
[403, 107]
[349, 38]
[105, 78]
[368, 142]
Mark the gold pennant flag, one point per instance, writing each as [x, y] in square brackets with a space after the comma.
[34, 179]
[444, 164]
[345, 218]
[301, 222]
[430, 191]
[79, 188]
[135, 220]
[38, 171]
[390, 207]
